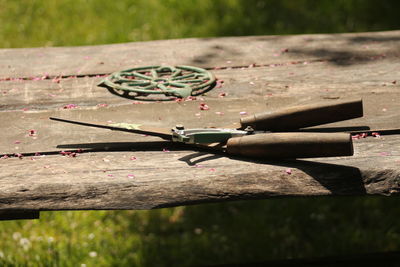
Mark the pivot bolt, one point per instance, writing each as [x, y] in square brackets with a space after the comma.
[179, 127]
[249, 129]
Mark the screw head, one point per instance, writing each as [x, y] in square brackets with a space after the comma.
[249, 129]
[179, 127]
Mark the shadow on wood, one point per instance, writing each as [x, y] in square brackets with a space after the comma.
[338, 179]
[19, 214]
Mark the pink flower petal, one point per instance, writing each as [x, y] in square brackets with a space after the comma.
[131, 176]
[132, 158]
[222, 94]
[375, 134]
[18, 155]
[288, 171]
[70, 106]
[204, 106]
[190, 98]
[32, 132]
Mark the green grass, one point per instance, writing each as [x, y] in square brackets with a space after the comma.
[247, 231]
[205, 234]
[29, 23]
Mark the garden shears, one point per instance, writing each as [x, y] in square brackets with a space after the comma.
[274, 135]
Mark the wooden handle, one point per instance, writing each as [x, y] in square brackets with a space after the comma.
[291, 145]
[304, 116]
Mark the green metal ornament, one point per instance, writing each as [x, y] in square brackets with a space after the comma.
[160, 82]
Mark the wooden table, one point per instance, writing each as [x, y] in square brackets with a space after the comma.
[127, 171]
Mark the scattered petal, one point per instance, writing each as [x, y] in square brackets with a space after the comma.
[219, 83]
[211, 170]
[222, 94]
[131, 176]
[165, 150]
[375, 134]
[17, 142]
[204, 106]
[243, 113]
[219, 113]
[384, 154]
[288, 171]
[190, 98]
[18, 155]
[32, 132]
[69, 154]
[132, 158]
[56, 79]
[102, 105]
[70, 106]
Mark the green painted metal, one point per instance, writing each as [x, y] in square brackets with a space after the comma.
[172, 82]
[205, 135]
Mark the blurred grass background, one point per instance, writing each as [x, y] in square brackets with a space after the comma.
[29, 23]
[207, 234]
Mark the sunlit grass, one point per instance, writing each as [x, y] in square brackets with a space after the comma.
[29, 23]
[205, 234]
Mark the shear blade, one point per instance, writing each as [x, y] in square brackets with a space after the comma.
[125, 127]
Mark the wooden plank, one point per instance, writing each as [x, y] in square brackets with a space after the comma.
[329, 80]
[112, 179]
[202, 52]
[381, 111]
[105, 180]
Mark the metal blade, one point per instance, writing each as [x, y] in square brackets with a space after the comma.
[125, 127]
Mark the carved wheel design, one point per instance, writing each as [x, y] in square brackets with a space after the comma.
[159, 82]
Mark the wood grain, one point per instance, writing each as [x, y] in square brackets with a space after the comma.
[126, 171]
[343, 49]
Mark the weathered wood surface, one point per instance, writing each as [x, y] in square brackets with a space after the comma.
[259, 73]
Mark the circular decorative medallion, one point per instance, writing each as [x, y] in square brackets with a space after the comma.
[159, 82]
